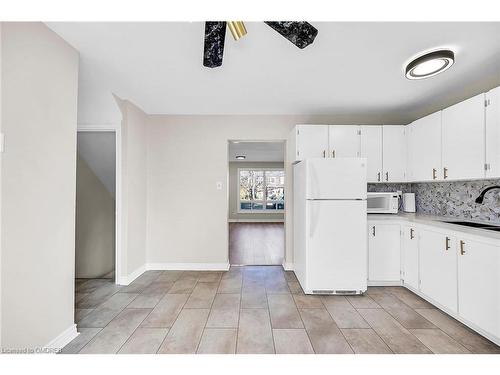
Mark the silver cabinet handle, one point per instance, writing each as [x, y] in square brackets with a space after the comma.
[333, 153]
[324, 153]
[445, 173]
[411, 234]
[462, 250]
[434, 173]
[378, 176]
[447, 245]
[387, 176]
[373, 231]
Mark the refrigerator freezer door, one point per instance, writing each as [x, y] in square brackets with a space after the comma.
[336, 250]
[336, 178]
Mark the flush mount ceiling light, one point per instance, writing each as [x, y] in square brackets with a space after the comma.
[240, 157]
[430, 64]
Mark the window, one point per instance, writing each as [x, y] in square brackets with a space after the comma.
[261, 190]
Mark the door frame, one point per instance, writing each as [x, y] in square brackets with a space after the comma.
[288, 190]
[116, 129]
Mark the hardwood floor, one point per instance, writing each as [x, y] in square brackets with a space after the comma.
[255, 310]
[256, 243]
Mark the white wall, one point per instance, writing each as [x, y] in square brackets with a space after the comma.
[95, 224]
[233, 191]
[39, 103]
[98, 150]
[134, 190]
[96, 106]
[1, 131]
[187, 155]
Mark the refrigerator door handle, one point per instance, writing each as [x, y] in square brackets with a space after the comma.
[313, 217]
[314, 182]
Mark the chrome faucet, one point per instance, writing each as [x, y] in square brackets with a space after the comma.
[481, 196]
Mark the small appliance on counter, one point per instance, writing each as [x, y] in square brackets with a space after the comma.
[409, 202]
[383, 203]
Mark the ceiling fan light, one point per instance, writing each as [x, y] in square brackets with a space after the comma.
[430, 64]
[237, 29]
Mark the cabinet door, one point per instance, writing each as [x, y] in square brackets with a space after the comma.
[344, 141]
[371, 149]
[312, 141]
[384, 259]
[438, 268]
[425, 148]
[479, 284]
[493, 133]
[463, 140]
[394, 153]
[410, 256]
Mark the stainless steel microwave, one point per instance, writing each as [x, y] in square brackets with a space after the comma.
[382, 203]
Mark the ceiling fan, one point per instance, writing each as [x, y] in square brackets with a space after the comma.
[299, 33]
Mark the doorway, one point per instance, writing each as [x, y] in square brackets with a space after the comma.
[256, 193]
[95, 234]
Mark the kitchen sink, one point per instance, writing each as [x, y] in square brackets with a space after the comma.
[475, 225]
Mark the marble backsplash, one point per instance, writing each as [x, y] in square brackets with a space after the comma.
[376, 188]
[451, 199]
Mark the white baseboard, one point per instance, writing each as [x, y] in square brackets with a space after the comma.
[126, 280]
[385, 283]
[188, 266]
[256, 220]
[288, 266]
[63, 339]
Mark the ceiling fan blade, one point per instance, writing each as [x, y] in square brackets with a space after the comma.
[300, 33]
[215, 33]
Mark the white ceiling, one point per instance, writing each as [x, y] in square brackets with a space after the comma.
[352, 69]
[257, 151]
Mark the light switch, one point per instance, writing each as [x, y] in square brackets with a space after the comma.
[219, 185]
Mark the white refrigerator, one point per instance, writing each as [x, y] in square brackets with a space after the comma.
[330, 224]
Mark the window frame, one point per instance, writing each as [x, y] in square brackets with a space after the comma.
[264, 210]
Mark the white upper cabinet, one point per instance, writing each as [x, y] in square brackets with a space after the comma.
[493, 133]
[464, 140]
[424, 148]
[311, 141]
[371, 149]
[394, 153]
[479, 284]
[461, 142]
[344, 141]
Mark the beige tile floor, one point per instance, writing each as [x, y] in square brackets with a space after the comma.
[260, 244]
[258, 309]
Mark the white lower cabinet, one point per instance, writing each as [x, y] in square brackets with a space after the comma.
[410, 261]
[479, 284]
[384, 244]
[454, 270]
[438, 267]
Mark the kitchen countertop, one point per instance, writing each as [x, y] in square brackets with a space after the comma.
[437, 221]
